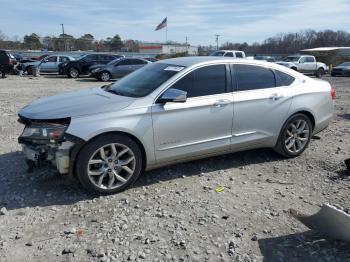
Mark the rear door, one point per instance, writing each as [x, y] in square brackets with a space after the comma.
[137, 64]
[88, 61]
[121, 68]
[200, 125]
[262, 100]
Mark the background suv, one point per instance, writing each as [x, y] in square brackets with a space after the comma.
[81, 66]
[7, 61]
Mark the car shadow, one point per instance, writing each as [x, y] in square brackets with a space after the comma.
[307, 246]
[45, 187]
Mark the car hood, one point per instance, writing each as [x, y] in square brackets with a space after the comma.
[283, 63]
[75, 104]
[342, 67]
[32, 63]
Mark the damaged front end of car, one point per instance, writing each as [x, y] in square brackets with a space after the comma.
[45, 142]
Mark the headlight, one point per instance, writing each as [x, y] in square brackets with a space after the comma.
[95, 70]
[44, 133]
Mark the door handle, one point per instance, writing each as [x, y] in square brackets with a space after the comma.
[275, 97]
[222, 102]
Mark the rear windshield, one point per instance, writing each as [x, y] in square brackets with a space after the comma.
[145, 80]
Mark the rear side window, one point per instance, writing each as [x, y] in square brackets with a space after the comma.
[91, 58]
[309, 59]
[239, 55]
[125, 62]
[283, 79]
[137, 62]
[250, 77]
[209, 80]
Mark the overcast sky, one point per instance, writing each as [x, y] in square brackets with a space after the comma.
[200, 20]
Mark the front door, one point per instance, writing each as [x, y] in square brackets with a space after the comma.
[200, 125]
[262, 99]
[49, 64]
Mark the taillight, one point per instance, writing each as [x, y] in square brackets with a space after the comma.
[333, 93]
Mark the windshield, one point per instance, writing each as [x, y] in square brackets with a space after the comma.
[291, 59]
[145, 80]
[218, 53]
[114, 61]
[345, 64]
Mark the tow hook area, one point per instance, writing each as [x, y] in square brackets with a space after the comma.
[56, 155]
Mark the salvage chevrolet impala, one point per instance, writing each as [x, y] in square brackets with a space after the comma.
[173, 111]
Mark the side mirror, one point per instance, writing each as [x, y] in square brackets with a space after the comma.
[173, 95]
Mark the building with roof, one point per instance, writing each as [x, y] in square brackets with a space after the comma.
[168, 49]
[330, 55]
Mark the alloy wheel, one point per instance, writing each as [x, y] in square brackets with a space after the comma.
[105, 76]
[73, 73]
[297, 136]
[111, 166]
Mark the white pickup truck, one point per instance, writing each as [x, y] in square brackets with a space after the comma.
[305, 64]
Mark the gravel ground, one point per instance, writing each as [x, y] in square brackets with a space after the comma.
[173, 213]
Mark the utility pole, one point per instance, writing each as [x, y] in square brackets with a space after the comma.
[186, 45]
[217, 41]
[64, 38]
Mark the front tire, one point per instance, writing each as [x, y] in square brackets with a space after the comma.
[73, 72]
[295, 136]
[105, 76]
[109, 164]
[320, 72]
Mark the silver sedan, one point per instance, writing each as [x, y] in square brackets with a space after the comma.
[173, 111]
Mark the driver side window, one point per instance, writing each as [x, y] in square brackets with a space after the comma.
[208, 80]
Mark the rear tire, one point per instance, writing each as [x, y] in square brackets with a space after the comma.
[294, 68]
[295, 136]
[29, 70]
[109, 164]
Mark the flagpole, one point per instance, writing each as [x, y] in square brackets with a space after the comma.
[166, 32]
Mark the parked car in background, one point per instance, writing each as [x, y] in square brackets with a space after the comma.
[151, 59]
[81, 66]
[7, 61]
[305, 64]
[229, 53]
[18, 57]
[265, 58]
[341, 70]
[171, 111]
[48, 64]
[117, 68]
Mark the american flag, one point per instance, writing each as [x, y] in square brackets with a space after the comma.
[162, 24]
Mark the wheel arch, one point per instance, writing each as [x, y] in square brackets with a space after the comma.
[306, 113]
[75, 154]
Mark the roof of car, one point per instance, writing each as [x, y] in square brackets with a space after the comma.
[192, 60]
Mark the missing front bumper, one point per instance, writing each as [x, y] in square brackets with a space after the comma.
[54, 155]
